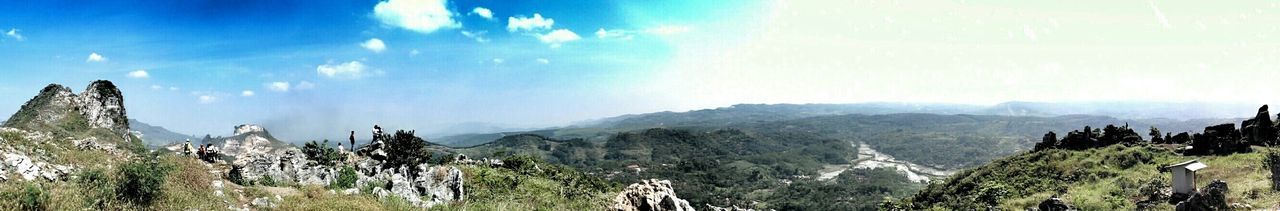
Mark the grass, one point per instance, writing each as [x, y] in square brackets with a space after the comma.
[1107, 178]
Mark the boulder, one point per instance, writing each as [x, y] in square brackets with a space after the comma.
[649, 195]
[1212, 197]
[1259, 130]
[1053, 204]
[285, 165]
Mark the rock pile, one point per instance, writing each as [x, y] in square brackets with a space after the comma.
[649, 195]
[1260, 130]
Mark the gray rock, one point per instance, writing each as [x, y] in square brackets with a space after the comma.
[1211, 197]
[1054, 204]
[649, 195]
[22, 165]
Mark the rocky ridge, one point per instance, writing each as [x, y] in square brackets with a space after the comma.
[649, 195]
[101, 105]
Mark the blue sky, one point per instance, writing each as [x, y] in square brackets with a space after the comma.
[313, 69]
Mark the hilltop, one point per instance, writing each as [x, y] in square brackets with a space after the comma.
[1113, 168]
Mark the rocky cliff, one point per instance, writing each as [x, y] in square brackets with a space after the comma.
[57, 109]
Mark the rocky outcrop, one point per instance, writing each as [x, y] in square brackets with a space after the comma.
[429, 187]
[649, 195]
[1211, 197]
[1053, 204]
[101, 105]
[1260, 130]
[287, 165]
[1218, 139]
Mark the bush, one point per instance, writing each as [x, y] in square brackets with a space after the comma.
[236, 175]
[96, 187]
[141, 180]
[34, 198]
[346, 178]
[266, 180]
[321, 153]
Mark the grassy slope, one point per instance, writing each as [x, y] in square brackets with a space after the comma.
[1097, 179]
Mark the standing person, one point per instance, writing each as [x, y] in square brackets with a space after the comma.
[353, 140]
[377, 131]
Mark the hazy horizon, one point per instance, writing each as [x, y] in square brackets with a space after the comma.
[312, 70]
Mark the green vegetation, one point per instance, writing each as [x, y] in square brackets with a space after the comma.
[705, 166]
[346, 178]
[405, 149]
[854, 189]
[141, 180]
[1108, 178]
[321, 153]
[528, 183]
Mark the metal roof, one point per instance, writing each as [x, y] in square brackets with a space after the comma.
[1196, 166]
[1192, 165]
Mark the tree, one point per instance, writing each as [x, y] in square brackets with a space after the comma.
[405, 149]
[321, 153]
[1155, 135]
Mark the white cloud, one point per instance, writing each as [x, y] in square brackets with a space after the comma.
[555, 38]
[478, 36]
[139, 74]
[414, 52]
[95, 57]
[173, 88]
[616, 33]
[424, 16]
[305, 85]
[14, 34]
[498, 61]
[247, 93]
[206, 99]
[279, 86]
[527, 24]
[156, 87]
[544, 61]
[376, 45]
[483, 12]
[665, 30]
[349, 70]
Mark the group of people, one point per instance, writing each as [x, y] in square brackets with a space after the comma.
[205, 152]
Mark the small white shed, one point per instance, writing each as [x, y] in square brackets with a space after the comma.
[1184, 175]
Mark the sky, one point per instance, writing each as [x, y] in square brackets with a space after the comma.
[316, 69]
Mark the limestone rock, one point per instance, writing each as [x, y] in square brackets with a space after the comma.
[22, 165]
[649, 195]
[101, 105]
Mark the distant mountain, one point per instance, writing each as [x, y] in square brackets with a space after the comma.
[1126, 110]
[154, 136]
[749, 113]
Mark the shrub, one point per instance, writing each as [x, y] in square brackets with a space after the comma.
[321, 153]
[266, 180]
[96, 187]
[142, 179]
[34, 198]
[405, 149]
[236, 175]
[346, 178]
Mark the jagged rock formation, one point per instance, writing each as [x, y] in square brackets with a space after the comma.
[431, 185]
[285, 165]
[1218, 139]
[1260, 130]
[59, 110]
[1090, 138]
[649, 195]
[1211, 197]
